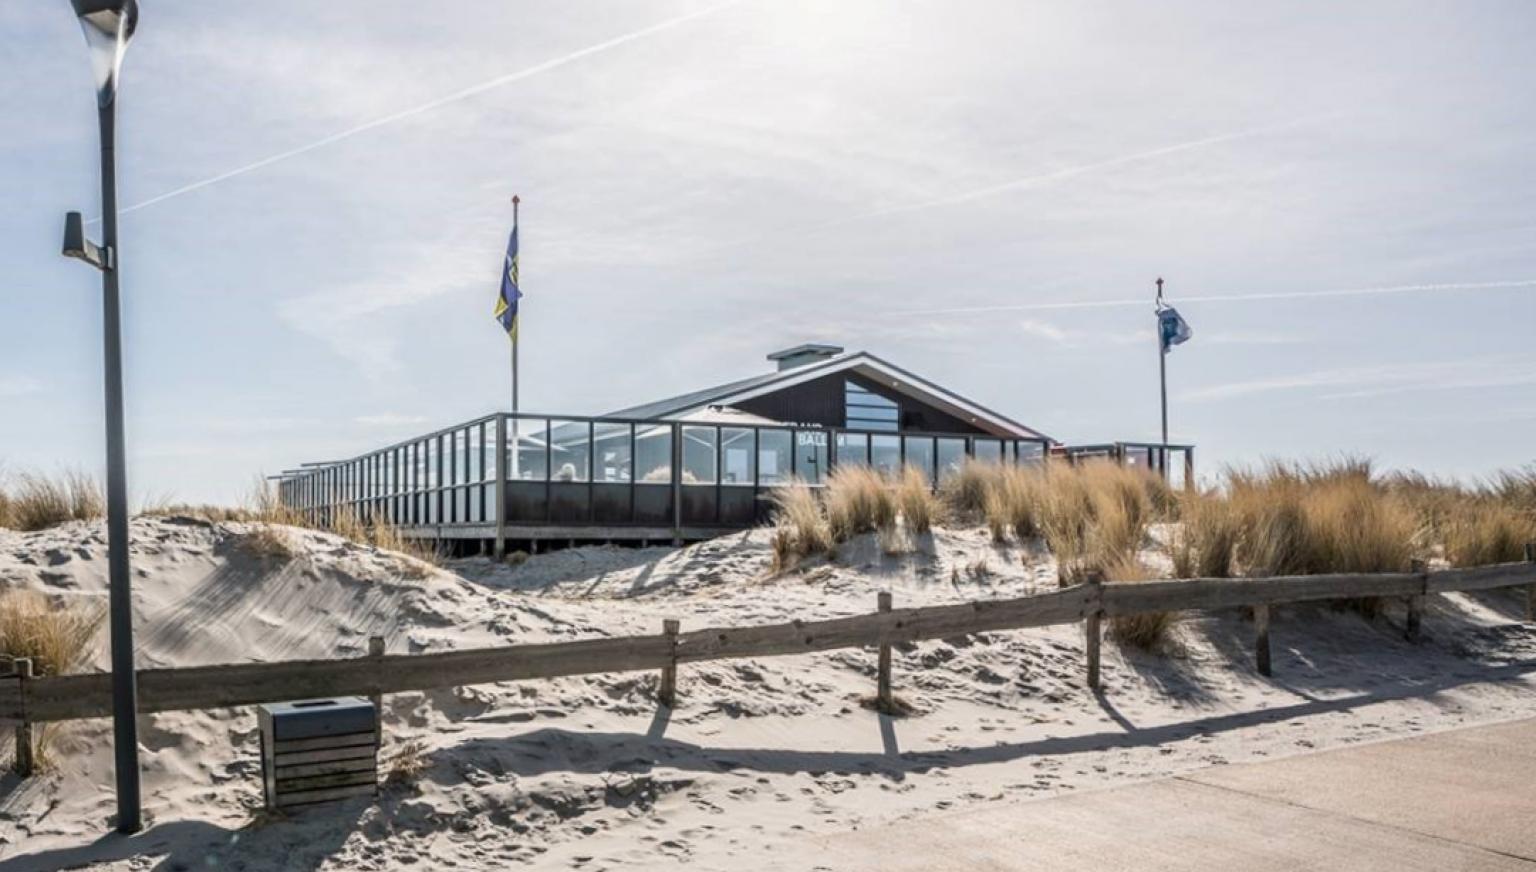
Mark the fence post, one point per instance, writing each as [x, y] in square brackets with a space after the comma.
[1416, 602]
[883, 699]
[667, 694]
[1092, 625]
[1261, 639]
[1530, 589]
[376, 653]
[23, 764]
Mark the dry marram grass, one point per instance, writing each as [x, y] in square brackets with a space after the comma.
[1148, 630]
[915, 501]
[858, 501]
[37, 502]
[800, 529]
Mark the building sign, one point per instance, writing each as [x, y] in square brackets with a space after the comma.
[813, 438]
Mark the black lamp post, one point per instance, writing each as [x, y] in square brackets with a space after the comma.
[108, 25]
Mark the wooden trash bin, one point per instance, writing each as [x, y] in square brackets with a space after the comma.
[318, 750]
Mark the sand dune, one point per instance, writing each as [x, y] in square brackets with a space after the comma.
[588, 773]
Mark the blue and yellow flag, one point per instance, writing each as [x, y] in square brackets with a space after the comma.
[506, 303]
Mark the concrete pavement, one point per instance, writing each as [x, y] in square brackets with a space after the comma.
[1464, 799]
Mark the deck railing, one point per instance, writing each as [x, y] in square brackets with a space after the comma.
[673, 479]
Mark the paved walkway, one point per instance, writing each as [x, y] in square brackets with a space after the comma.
[1464, 799]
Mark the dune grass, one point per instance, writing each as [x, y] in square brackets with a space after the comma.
[916, 503]
[858, 500]
[33, 501]
[1148, 631]
[58, 636]
[1205, 541]
[800, 528]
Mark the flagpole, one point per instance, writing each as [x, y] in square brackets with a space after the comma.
[1162, 362]
[517, 339]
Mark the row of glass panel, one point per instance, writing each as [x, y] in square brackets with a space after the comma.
[606, 451]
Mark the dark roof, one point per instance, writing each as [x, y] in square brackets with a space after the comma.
[684, 402]
[722, 393]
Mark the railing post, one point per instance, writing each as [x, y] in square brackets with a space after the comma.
[1261, 639]
[1416, 602]
[677, 485]
[667, 693]
[1530, 589]
[376, 653]
[501, 487]
[883, 699]
[1092, 625]
[24, 763]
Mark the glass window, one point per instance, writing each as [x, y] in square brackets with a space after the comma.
[773, 456]
[528, 445]
[611, 444]
[429, 464]
[988, 450]
[852, 449]
[951, 457]
[699, 455]
[458, 458]
[919, 453]
[653, 454]
[475, 469]
[866, 410]
[1030, 452]
[570, 444]
[885, 453]
[738, 450]
[811, 455]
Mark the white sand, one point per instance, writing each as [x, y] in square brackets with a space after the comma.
[584, 773]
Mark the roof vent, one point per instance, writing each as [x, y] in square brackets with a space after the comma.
[801, 355]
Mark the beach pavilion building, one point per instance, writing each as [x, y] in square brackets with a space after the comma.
[682, 468]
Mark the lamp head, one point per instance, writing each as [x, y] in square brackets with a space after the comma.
[108, 25]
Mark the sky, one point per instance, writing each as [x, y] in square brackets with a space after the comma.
[1340, 197]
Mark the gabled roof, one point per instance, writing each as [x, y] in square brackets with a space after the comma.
[865, 364]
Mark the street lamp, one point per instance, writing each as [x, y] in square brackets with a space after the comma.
[108, 25]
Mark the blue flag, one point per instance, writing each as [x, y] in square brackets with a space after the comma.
[506, 302]
[1172, 328]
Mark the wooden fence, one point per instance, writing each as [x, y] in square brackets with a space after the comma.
[29, 700]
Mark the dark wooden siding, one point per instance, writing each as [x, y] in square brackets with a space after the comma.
[820, 402]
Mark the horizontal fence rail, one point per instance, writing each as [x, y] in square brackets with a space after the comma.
[70, 697]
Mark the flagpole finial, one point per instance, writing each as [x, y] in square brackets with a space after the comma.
[1159, 290]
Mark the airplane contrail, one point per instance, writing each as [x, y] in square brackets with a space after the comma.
[454, 97]
[1082, 169]
[1227, 298]
[1037, 179]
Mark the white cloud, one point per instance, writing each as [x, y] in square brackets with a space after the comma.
[1372, 381]
[19, 385]
[348, 317]
[1071, 338]
[389, 419]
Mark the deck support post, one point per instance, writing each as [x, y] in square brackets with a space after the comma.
[1261, 659]
[1092, 626]
[666, 694]
[501, 487]
[24, 763]
[884, 702]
